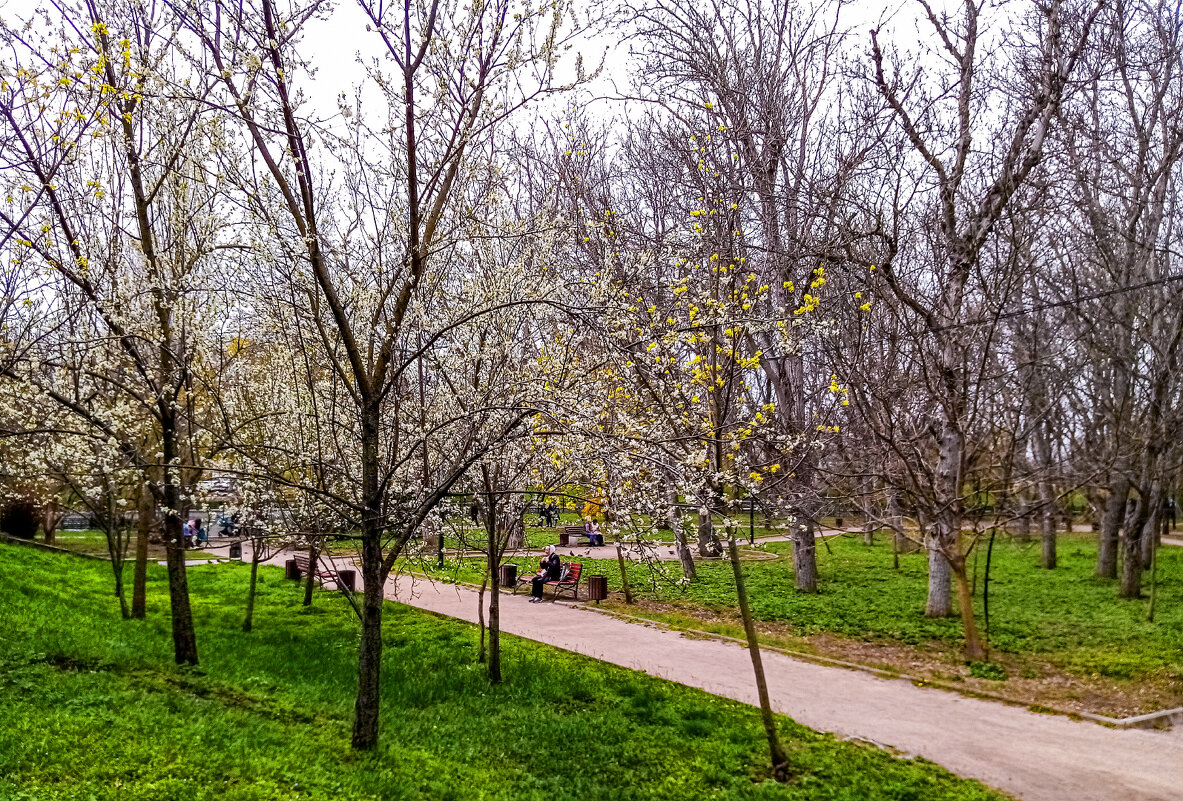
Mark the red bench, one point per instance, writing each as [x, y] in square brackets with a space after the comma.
[344, 579]
[570, 583]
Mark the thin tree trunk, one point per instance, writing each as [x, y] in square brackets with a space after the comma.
[310, 579]
[139, 591]
[973, 643]
[248, 620]
[493, 562]
[1024, 533]
[117, 567]
[1150, 527]
[628, 595]
[780, 766]
[1047, 499]
[685, 557]
[480, 616]
[494, 627]
[678, 526]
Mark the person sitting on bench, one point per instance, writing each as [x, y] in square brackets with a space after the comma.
[593, 533]
[548, 570]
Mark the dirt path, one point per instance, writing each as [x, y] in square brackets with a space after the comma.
[1034, 757]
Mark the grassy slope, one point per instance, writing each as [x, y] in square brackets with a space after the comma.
[1066, 616]
[93, 708]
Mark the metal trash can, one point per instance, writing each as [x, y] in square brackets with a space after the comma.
[347, 580]
[290, 571]
[509, 575]
[236, 549]
[597, 588]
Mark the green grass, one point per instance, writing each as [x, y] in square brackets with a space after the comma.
[94, 709]
[1065, 617]
[94, 542]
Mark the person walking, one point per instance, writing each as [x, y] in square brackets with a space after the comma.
[548, 570]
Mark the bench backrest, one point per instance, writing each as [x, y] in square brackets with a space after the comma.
[573, 571]
[301, 560]
[570, 530]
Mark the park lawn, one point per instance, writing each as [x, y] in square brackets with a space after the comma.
[95, 709]
[93, 542]
[1044, 626]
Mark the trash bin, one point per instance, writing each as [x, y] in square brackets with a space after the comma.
[347, 580]
[290, 571]
[597, 588]
[236, 549]
[509, 575]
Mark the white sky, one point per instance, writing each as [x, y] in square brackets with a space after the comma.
[342, 40]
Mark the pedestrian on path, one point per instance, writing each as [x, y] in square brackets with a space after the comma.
[548, 570]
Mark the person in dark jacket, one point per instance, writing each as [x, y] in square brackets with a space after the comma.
[548, 570]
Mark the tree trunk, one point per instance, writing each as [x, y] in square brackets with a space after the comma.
[50, 517]
[117, 566]
[708, 541]
[628, 595]
[1047, 498]
[248, 621]
[494, 625]
[940, 599]
[805, 557]
[780, 763]
[1024, 533]
[867, 509]
[480, 617]
[689, 572]
[184, 635]
[1115, 506]
[1131, 550]
[310, 579]
[369, 661]
[902, 543]
[493, 549]
[139, 591]
[974, 651]
[1150, 527]
[1047, 522]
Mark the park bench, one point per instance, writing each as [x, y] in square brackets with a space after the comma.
[569, 583]
[324, 573]
[571, 534]
[574, 535]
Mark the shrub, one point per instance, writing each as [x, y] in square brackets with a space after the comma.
[20, 518]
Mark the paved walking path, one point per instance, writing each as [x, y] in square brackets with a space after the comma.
[1034, 757]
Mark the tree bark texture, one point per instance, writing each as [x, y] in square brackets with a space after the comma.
[369, 661]
[805, 557]
[1111, 520]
